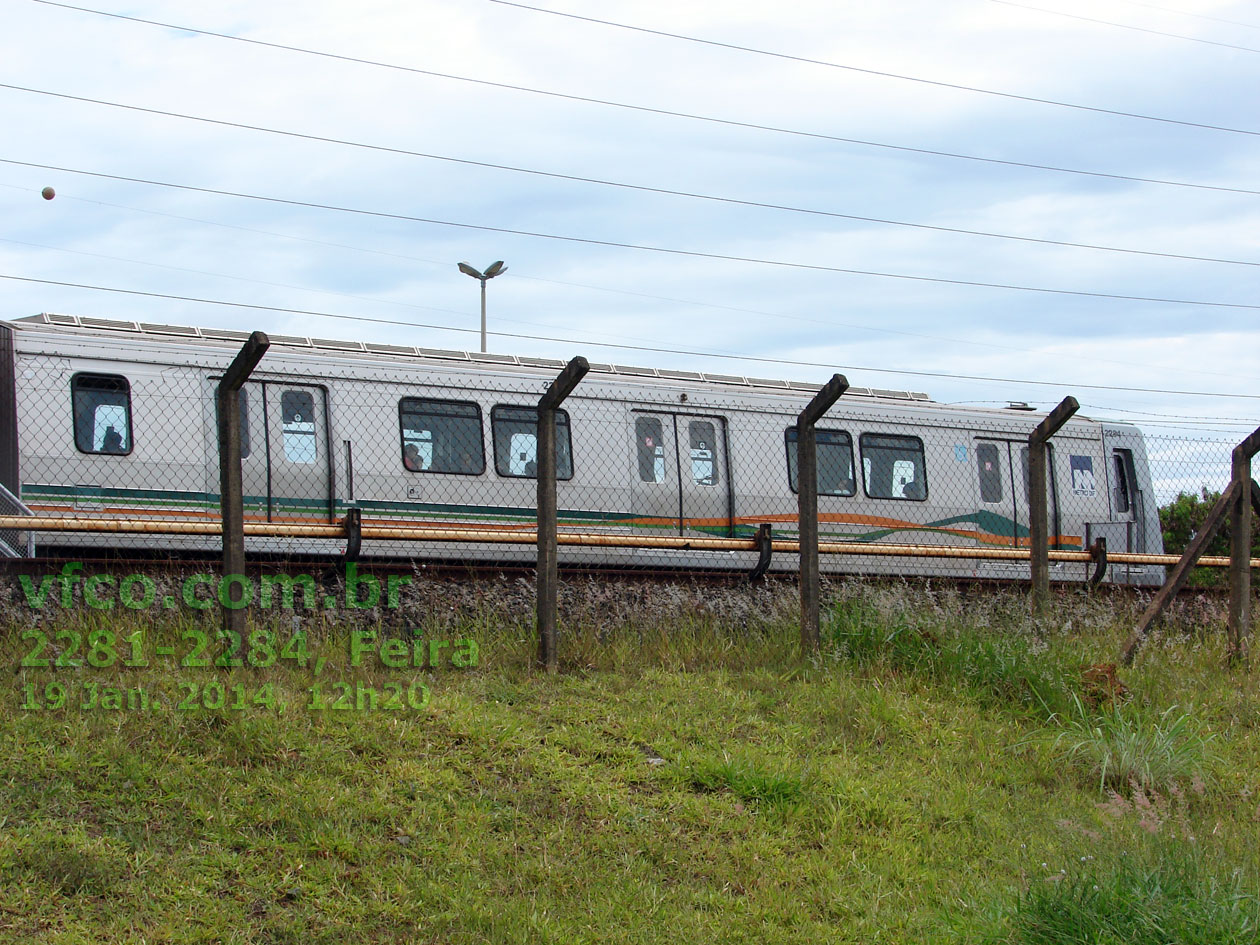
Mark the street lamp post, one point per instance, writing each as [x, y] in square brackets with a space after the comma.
[492, 270]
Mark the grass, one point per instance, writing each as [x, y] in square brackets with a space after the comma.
[685, 779]
[1163, 891]
[750, 781]
[1136, 746]
[872, 631]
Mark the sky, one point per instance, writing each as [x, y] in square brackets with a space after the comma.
[754, 265]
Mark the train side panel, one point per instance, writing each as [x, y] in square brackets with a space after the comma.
[109, 424]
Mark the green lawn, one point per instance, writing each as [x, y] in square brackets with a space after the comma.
[939, 774]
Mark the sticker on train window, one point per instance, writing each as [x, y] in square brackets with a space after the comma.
[1083, 475]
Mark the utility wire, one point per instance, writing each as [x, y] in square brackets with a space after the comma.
[1124, 26]
[624, 347]
[224, 275]
[1172, 416]
[622, 185]
[409, 305]
[1197, 16]
[876, 72]
[517, 274]
[642, 247]
[731, 123]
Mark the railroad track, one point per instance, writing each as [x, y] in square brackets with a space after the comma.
[163, 562]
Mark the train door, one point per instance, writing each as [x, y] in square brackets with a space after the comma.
[1128, 493]
[298, 463]
[705, 481]
[254, 449]
[680, 472]
[1002, 471]
[997, 515]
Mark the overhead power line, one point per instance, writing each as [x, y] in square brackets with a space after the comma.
[1197, 16]
[1172, 416]
[876, 72]
[625, 347]
[1124, 26]
[641, 247]
[665, 112]
[517, 274]
[623, 185]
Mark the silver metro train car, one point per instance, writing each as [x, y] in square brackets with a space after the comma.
[111, 418]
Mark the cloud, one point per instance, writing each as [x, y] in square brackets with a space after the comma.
[184, 243]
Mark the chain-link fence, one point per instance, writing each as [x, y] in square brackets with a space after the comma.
[1184, 465]
[655, 469]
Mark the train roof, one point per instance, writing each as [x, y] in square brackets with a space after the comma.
[219, 337]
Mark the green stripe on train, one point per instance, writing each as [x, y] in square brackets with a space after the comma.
[987, 524]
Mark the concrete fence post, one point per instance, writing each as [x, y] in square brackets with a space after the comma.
[1038, 500]
[231, 497]
[1240, 523]
[548, 560]
[807, 507]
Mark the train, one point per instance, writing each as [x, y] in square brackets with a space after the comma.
[105, 417]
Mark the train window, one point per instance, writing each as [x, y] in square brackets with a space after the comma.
[834, 459]
[703, 436]
[102, 413]
[1123, 501]
[243, 395]
[893, 467]
[297, 409]
[441, 436]
[650, 437]
[990, 467]
[515, 432]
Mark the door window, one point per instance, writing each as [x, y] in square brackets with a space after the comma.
[989, 462]
[297, 425]
[650, 445]
[243, 396]
[1123, 494]
[703, 437]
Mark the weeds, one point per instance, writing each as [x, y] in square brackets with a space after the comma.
[1002, 667]
[1166, 891]
[1122, 745]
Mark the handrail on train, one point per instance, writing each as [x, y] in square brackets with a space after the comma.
[514, 536]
